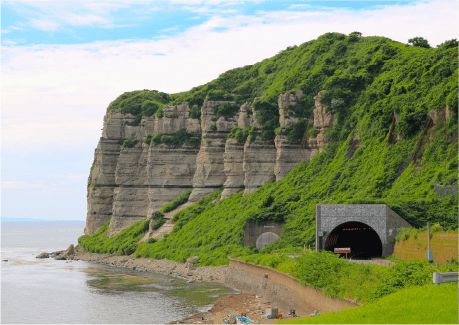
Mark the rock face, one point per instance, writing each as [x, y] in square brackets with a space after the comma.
[210, 174]
[323, 121]
[128, 184]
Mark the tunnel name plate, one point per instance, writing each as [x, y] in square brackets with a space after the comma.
[342, 250]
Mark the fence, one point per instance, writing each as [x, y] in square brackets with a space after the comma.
[445, 277]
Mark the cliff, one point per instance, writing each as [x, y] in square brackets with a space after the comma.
[129, 182]
[342, 119]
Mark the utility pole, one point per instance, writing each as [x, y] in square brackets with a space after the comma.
[429, 252]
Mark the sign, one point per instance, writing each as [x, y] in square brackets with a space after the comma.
[321, 233]
[343, 250]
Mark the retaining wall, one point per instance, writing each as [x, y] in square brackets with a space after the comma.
[281, 290]
[444, 246]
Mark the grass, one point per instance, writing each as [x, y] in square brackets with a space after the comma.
[428, 304]
[124, 243]
[337, 278]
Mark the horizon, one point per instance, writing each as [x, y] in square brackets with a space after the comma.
[63, 63]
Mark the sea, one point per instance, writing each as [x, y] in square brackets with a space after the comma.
[48, 291]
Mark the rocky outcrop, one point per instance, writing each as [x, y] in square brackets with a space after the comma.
[233, 159]
[323, 121]
[289, 153]
[130, 183]
[259, 163]
[210, 174]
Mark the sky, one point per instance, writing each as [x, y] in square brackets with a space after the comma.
[63, 62]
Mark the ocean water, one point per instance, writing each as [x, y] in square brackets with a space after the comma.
[46, 291]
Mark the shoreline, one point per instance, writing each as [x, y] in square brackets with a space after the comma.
[238, 304]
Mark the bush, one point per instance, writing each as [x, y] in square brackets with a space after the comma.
[195, 112]
[139, 103]
[151, 241]
[129, 143]
[147, 139]
[178, 139]
[158, 223]
[227, 110]
[182, 199]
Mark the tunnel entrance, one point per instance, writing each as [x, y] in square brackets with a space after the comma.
[361, 238]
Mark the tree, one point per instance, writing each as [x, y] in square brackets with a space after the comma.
[448, 44]
[419, 42]
[358, 34]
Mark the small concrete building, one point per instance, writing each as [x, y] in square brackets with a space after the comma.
[261, 235]
[368, 230]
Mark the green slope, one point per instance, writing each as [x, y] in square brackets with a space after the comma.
[368, 80]
[428, 304]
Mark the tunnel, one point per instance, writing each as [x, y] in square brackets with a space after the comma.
[361, 238]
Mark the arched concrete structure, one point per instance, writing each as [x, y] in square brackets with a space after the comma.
[252, 232]
[363, 240]
[266, 238]
[379, 217]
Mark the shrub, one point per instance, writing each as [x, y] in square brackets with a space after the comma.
[177, 139]
[182, 199]
[213, 126]
[129, 143]
[195, 112]
[147, 139]
[227, 110]
[158, 223]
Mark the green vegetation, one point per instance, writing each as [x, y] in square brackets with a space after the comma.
[338, 278]
[227, 110]
[405, 233]
[242, 135]
[94, 185]
[427, 304]
[179, 138]
[93, 164]
[124, 243]
[139, 102]
[182, 199]
[195, 112]
[419, 41]
[199, 233]
[128, 142]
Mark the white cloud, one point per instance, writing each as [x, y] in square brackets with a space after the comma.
[8, 41]
[5, 31]
[58, 93]
[44, 24]
[20, 185]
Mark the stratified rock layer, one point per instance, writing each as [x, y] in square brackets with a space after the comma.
[128, 184]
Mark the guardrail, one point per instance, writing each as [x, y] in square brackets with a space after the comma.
[445, 277]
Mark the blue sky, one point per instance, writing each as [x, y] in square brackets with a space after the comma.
[63, 62]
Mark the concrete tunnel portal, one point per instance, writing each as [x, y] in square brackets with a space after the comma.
[369, 230]
[363, 240]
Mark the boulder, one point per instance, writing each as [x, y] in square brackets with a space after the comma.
[193, 259]
[70, 250]
[43, 255]
[66, 255]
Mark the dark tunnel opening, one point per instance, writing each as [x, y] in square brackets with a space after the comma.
[361, 238]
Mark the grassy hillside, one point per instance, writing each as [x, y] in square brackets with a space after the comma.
[428, 304]
[367, 81]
